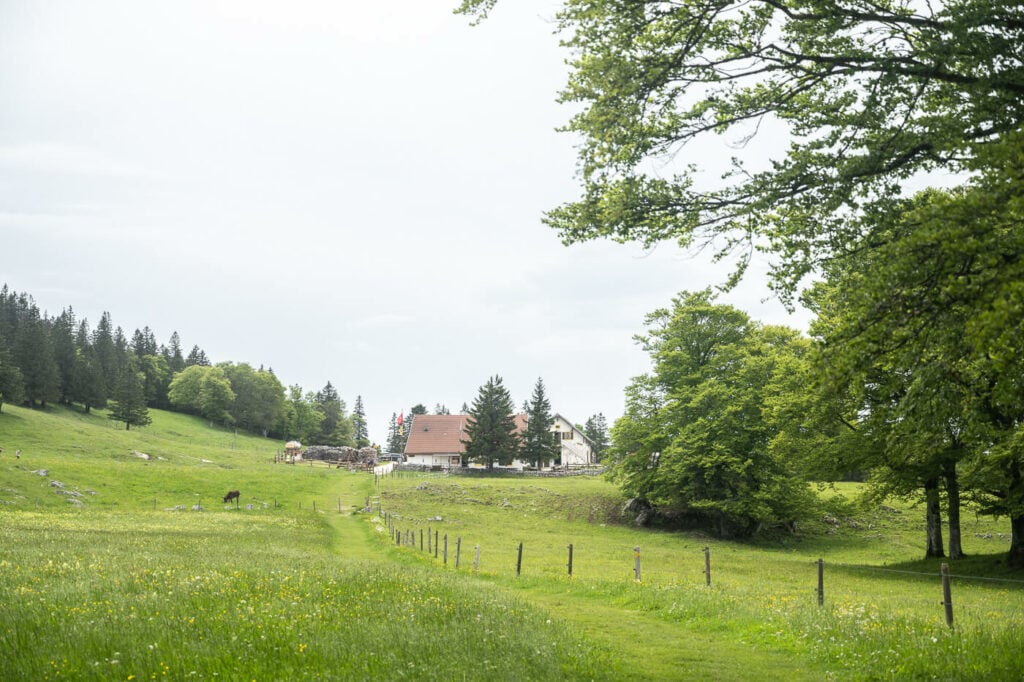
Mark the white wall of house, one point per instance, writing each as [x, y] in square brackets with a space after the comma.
[577, 450]
[435, 459]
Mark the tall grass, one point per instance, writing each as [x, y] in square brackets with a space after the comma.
[882, 617]
[142, 595]
[127, 582]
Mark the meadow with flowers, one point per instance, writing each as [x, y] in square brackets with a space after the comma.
[132, 568]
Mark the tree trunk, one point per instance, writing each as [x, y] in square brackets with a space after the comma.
[127, 426]
[953, 497]
[1015, 491]
[1016, 556]
[933, 519]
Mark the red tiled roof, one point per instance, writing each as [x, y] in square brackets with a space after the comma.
[436, 433]
[443, 433]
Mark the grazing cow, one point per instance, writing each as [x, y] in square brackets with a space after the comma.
[232, 495]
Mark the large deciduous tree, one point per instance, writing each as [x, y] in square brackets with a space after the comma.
[696, 437]
[491, 436]
[867, 95]
[926, 326]
[202, 390]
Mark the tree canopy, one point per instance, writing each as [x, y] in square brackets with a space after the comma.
[867, 95]
[695, 440]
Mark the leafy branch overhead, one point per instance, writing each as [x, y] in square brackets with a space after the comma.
[868, 94]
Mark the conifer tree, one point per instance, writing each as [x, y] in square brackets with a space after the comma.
[359, 428]
[539, 446]
[491, 427]
[172, 353]
[395, 439]
[11, 384]
[130, 399]
[196, 356]
[62, 332]
[34, 355]
[596, 429]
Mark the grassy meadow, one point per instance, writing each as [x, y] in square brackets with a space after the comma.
[109, 573]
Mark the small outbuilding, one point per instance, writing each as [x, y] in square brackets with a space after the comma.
[292, 451]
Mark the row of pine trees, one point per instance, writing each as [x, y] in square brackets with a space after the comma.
[62, 359]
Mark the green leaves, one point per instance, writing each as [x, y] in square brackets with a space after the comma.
[696, 437]
[867, 95]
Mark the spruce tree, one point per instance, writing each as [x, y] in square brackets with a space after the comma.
[359, 428]
[130, 399]
[62, 332]
[34, 355]
[491, 427]
[539, 444]
[596, 429]
[395, 439]
[11, 384]
[196, 356]
[175, 360]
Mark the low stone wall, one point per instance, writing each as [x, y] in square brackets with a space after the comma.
[474, 471]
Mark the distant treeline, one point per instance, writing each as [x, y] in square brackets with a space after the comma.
[63, 360]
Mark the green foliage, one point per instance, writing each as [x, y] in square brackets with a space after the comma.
[258, 397]
[335, 428]
[918, 330]
[866, 97]
[301, 418]
[11, 382]
[360, 432]
[696, 435]
[129, 404]
[203, 390]
[538, 446]
[596, 429]
[491, 428]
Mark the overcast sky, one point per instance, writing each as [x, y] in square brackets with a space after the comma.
[345, 192]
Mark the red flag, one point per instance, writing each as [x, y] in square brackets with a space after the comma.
[400, 417]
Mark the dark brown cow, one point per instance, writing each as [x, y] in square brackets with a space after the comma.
[232, 495]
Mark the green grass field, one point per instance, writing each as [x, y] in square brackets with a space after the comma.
[112, 575]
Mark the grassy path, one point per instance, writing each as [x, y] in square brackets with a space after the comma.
[662, 650]
[642, 645]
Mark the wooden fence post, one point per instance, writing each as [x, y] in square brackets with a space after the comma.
[446, 549]
[821, 582]
[435, 544]
[947, 595]
[430, 547]
[570, 559]
[519, 560]
[421, 539]
[458, 551]
[476, 561]
[707, 566]
[636, 563]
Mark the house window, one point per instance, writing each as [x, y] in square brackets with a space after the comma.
[566, 435]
